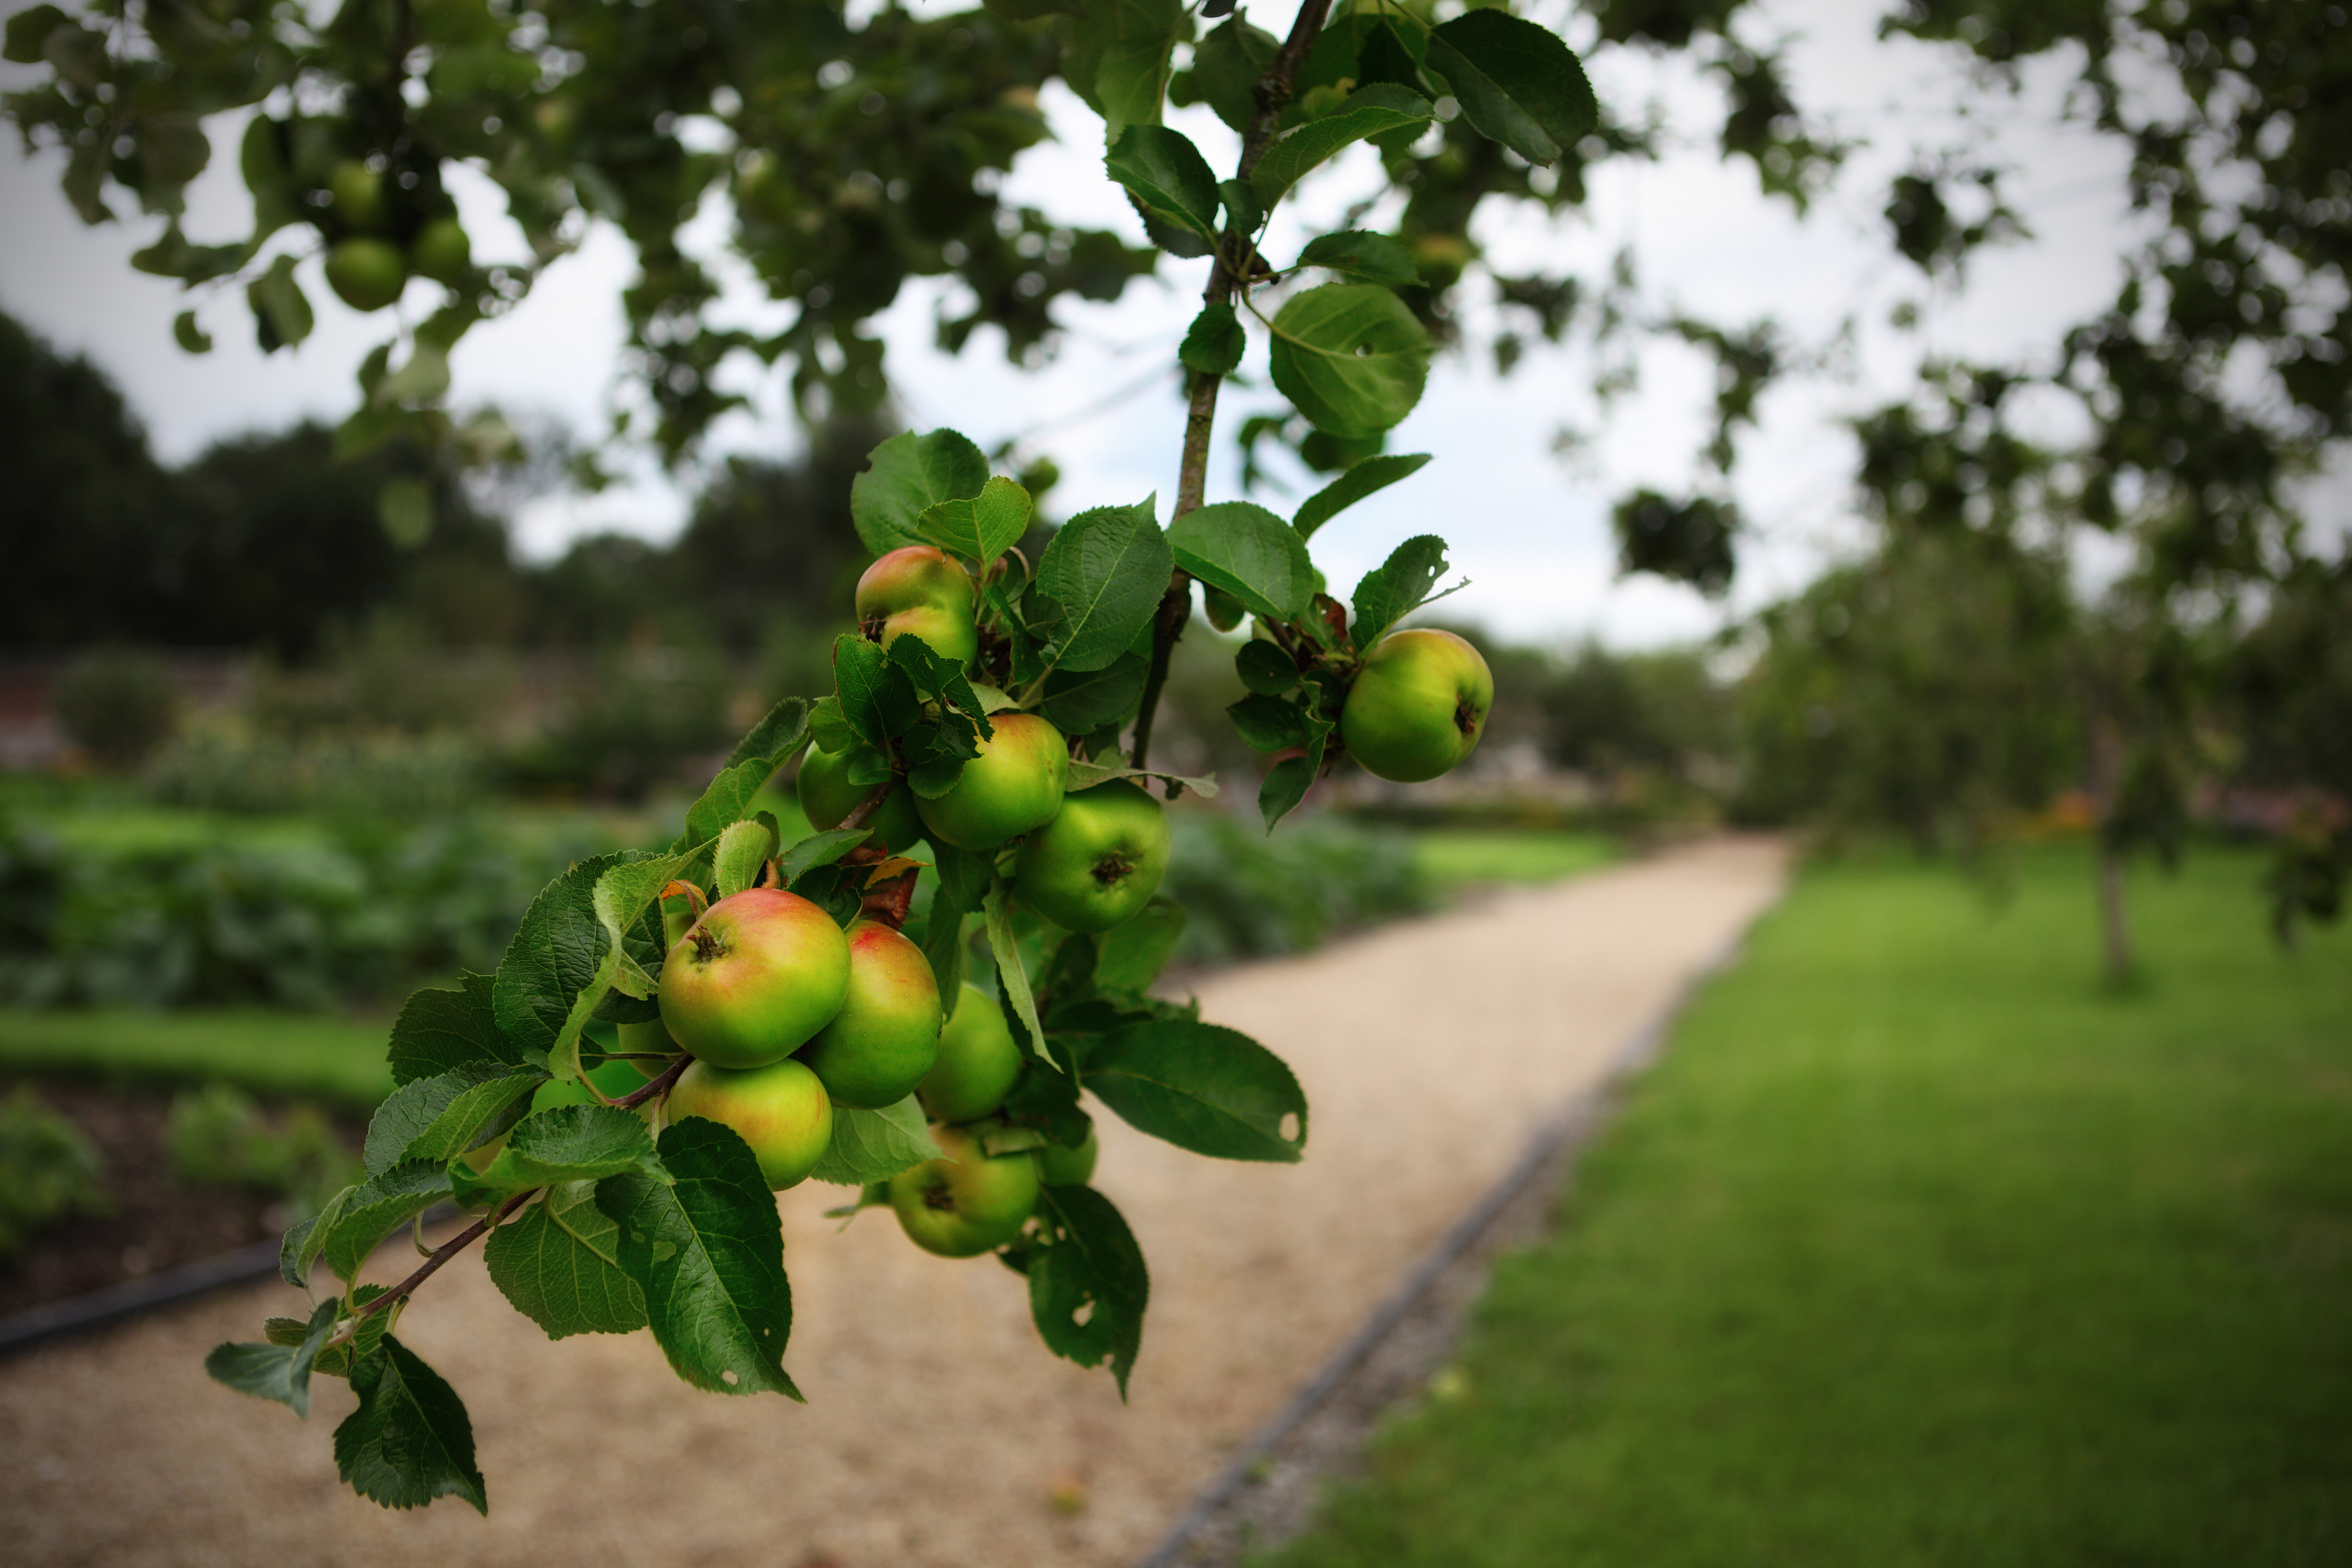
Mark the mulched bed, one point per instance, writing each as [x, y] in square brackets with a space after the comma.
[155, 1223]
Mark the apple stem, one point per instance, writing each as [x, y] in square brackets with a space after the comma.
[868, 806]
[661, 1085]
[440, 1254]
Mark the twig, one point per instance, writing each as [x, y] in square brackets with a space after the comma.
[441, 1255]
[870, 805]
[661, 1085]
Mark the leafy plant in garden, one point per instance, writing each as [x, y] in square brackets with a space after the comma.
[1012, 703]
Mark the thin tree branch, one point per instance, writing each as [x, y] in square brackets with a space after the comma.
[661, 1085]
[441, 1255]
[866, 808]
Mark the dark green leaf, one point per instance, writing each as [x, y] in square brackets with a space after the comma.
[1285, 784]
[1350, 356]
[458, 1110]
[1115, 54]
[943, 946]
[298, 1248]
[1214, 343]
[1369, 111]
[1242, 214]
[777, 737]
[1367, 478]
[933, 675]
[1249, 553]
[1227, 66]
[1367, 258]
[829, 729]
[1079, 702]
[437, 1030]
[188, 335]
[1517, 82]
[1107, 569]
[564, 1143]
[1268, 723]
[28, 30]
[553, 955]
[375, 1208]
[982, 527]
[722, 801]
[1133, 953]
[1166, 173]
[281, 316]
[862, 672]
[559, 1262]
[964, 877]
[708, 1255]
[1394, 589]
[822, 849]
[875, 1145]
[409, 1441]
[1265, 668]
[1202, 1087]
[1087, 1284]
[277, 1372]
[1011, 980]
[906, 476]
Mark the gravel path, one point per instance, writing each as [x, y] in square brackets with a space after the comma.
[939, 1432]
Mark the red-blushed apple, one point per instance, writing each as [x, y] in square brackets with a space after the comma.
[782, 1111]
[754, 979]
[924, 589]
[1014, 785]
[887, 1035]
[978, 1064]
[827, 796]
[1418, 706]
[965, 1203]
[1060, 1167]
[1098, 861]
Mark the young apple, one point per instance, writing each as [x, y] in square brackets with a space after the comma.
[1418, 706]
[978, 1061]
[887, 1035]
[921, 589]
[1098, 861]
[1014, 785]
[754, 979]
[1060, 1167]
[366, 274]
[782, 1111]
[828, 796]
[965, 1203]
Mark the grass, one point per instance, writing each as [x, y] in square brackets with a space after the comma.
[1918, 1248]
[308, 1055]
[1454, 858]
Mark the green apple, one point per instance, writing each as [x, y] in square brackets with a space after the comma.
[358, 193]
[1418, 706]
[887, 1035]
[921, 589]
[1098, 861]
[965, 1203]
[754, 979]
[828, 796]
[366, 274]
[978, 1061]
[1012, 786]
[1060, 1167]
[780, 1110]
[442, 252]
[648, 1039]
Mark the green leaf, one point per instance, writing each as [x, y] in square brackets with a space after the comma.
[437, 1030]
[742, 854]
[1365, 256]
[933, 675]
[905, 476]
[876, 702]
[190, 336]
[447, 1114]
[277, 1372]
[1242, 214]
[281, 316]
[829, 729]
[1087, 1284]
[1133, 955]
[722, 801]
[28, 30]
[1350, 356]
[875, 1145]
[409, 1441]
[553, 954]
[1367, 478]
[982, 527]
[822, 849]
[1202, 1087]
[1079, 702]
[1116, 56]
[1268, 723]
[1372, 110]
[943, 946]
[298, 1248]
[1517, 82]
[1249, 553]
[708, 1254]
[375, 1208]
[564, 1143]
[1166, 173]
[1398, 587]
[964, 879]
[1011, 980]
[1265, 668]
[1287, 783]
[777, 737]
[1226, 65]
[559, 1262]
[1107, 569]
[1214, 343]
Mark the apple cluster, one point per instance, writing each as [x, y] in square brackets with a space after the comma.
[378, 243]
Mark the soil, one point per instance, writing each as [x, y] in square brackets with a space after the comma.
[153, 1221]
[937, 1431]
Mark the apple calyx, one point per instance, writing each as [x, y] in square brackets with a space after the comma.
[1465, 717]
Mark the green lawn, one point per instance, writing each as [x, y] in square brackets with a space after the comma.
[1917, 1248]
[308, 1055]
[1454, 857]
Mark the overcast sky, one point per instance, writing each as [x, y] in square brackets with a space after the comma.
[1528, 528]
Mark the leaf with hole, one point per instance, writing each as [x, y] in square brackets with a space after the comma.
[409, 1441]
[1350, 357]
[1202, 1087]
